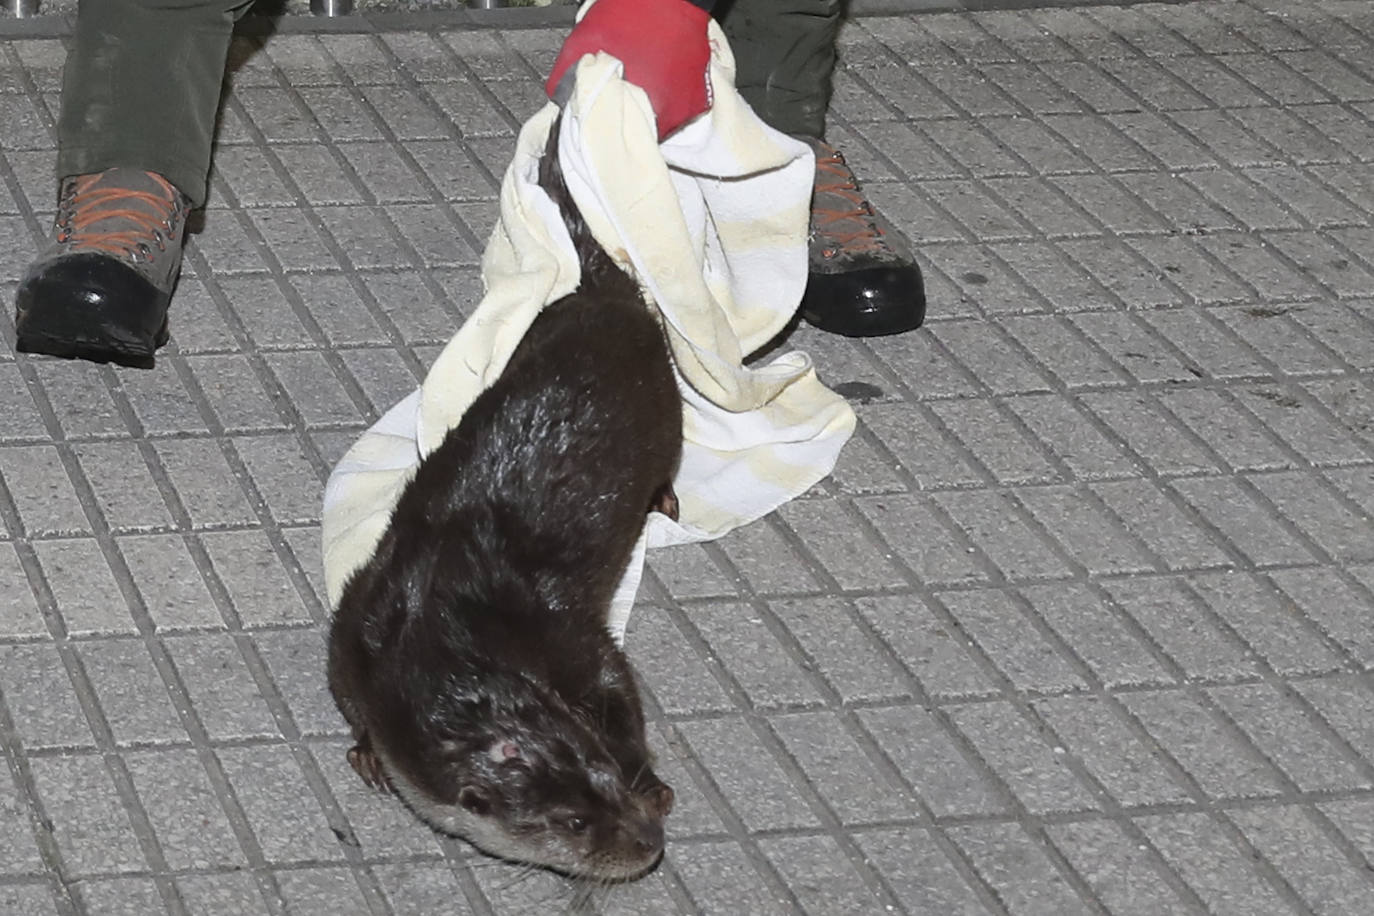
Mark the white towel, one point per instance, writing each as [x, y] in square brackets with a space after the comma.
[713, 224]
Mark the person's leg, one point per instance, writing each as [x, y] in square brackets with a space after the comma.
[140, 93]
[863, 279]
[784, 57]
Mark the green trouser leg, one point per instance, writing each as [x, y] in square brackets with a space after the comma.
[141, 88]
[784, 56]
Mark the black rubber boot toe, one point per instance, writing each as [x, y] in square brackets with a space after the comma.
[93, 307]
[868, 302]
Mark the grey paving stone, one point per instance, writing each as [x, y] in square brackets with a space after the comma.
[1320, 514]
[719, 876]
[261, 304]
[296, 244]
[920, 872]
[453, 173]
[918, 446]
[281, 810]
[840, 770]
[133, 697]
[928, 758]
[1167, 529]
[1016, 750]
[1302, 428]
[124, 487]
[840, 651]
[333, 301]
[1128, 768]
[861, 470]
[1017, 868]
[745, 772]
[313, 388]
[1244, 521]
[1120, 270]
[995, 441]
[204, 483]
[1096, 635]
[28, 898]
[1345, 704]
[1045, 206]
[383, 374]
[83, 587]
[1072, 437]
[1136, 419]
[378, 824]
[765, 668]
[80, 397]
[169, 582]
[184, 810]
[818, 874]
[322, 891]
[18, 851]
[221, 687]
[680, 681]
[696, 807]
[1223, 875]
[1353, 820]
[1125, 876]
[687, 571]
[19, 417]
[422, 887]
[855, 562]
[295, 659]
[989, 520]
[1009, 639]
[307, 549]
[1088, 534]
[938, 656]
[319, 176]
[1322, 595]
[19, 612]
[1207, 750]
[161, 402]
[119, 896]
[1285, 735]
[90, 824]
[1264, 618]
[1233, 433]
[40, 698]
[42, 491]
[1147, 356]
[283, 476]
[1307, 859]
[252, 573]
[1178, 622]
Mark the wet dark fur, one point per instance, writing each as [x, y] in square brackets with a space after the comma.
[471, 655]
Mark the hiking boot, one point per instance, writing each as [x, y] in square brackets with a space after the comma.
[863, 280]
[101, 289]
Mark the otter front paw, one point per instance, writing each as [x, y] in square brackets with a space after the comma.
[665, 501]
[368, 765]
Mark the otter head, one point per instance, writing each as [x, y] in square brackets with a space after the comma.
[510, 768]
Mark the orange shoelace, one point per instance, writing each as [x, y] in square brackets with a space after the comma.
[834, 177]
[89, 204]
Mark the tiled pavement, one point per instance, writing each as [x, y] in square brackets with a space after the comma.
[1083, 623]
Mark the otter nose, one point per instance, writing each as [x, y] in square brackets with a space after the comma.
[649, 836]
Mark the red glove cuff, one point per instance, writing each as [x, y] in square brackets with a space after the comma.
[662, 44]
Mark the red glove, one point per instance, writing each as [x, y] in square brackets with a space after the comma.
[662, 44]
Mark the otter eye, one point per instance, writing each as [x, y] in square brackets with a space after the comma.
[575, 824]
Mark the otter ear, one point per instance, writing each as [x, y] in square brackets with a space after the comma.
[502, 750]
[473, 800]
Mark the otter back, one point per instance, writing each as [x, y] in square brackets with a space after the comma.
[470, 655]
